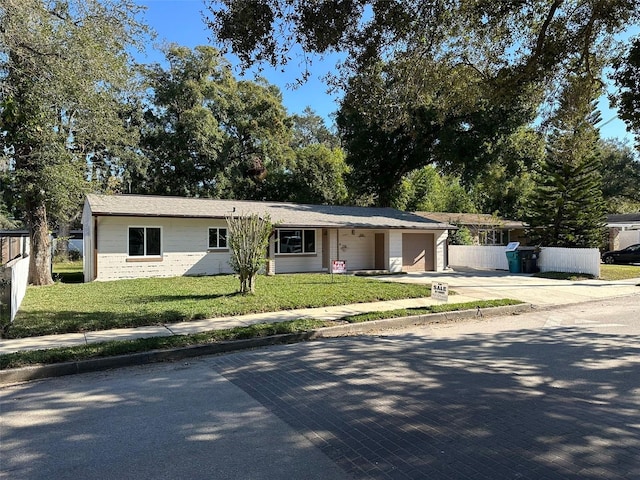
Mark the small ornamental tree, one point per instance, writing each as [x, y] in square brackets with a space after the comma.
[248, 239]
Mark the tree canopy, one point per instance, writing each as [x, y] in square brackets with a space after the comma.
[441, 81]
[65, 73]
[627, 78]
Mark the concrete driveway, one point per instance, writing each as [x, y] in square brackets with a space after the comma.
[493, 284]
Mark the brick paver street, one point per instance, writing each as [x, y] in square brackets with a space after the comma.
[541, 403]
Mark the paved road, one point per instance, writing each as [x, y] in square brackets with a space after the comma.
[554, 394]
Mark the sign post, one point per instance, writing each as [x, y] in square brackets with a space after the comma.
[440, 291]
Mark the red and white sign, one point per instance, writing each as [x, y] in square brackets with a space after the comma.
[338, 266]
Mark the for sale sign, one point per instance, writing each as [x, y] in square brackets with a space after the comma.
[339, 266]
[440, 291]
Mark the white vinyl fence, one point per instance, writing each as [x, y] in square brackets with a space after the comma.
[14, 278]
[550, 259]
[481, 257]
[570, 260]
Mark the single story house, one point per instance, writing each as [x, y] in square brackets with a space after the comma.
[130, 236]
[485, 229]
[624, 230]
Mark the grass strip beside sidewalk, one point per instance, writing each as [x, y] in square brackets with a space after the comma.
[124, 347]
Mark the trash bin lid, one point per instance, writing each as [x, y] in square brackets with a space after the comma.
[512, 246]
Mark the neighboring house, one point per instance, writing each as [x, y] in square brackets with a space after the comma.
[624, 230]
[13, 243]
[485, 229]
[129, 236]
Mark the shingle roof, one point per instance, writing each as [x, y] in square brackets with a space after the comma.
[474, 219]
[283, 214]
[623, 218]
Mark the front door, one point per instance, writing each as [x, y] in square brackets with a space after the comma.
[325, 250]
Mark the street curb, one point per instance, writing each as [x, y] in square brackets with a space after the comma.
[25, 374]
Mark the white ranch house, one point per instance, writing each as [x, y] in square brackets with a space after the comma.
[132, 236]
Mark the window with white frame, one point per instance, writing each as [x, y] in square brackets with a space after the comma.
[491, 237]
[145, 241]
[296, 241]
[217, 238]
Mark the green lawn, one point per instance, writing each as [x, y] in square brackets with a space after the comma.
[607, 272]
[619, 272]
[63, 308]
[68, 272]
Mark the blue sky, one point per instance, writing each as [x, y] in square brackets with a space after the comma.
[180, 21]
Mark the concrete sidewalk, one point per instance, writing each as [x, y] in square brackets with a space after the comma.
[470, 285]
[220, 323]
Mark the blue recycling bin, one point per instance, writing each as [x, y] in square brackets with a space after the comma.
[513, 258]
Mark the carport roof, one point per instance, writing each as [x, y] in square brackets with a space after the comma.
[281, 213]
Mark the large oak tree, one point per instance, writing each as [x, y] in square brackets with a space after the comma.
[65, 71]
[430, 81]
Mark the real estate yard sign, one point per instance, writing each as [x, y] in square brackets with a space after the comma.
[440, 291]
[339, 266]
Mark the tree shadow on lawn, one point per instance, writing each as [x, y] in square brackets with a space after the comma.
[179, 297]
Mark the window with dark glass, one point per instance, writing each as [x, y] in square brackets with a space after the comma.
[217, 238]
[296, 241]
[144, 241]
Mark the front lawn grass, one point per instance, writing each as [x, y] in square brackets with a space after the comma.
[619, 272]
[68, 271]
[65, 308]
[125, 347]
[444, 307]
[607, 272]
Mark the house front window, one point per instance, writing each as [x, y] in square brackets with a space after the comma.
[217, 238]
[145, 241]
[296, 241]
[491, 237]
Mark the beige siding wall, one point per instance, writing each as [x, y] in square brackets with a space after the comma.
[357, 247]
[184, 249]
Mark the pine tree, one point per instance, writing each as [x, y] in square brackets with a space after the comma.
[567, 207]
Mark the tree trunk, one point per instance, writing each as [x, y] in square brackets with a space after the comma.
[40, 252]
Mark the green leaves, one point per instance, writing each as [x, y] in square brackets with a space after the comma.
[66, 76]
[627, 79]
[567, 207]
[248, 239]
